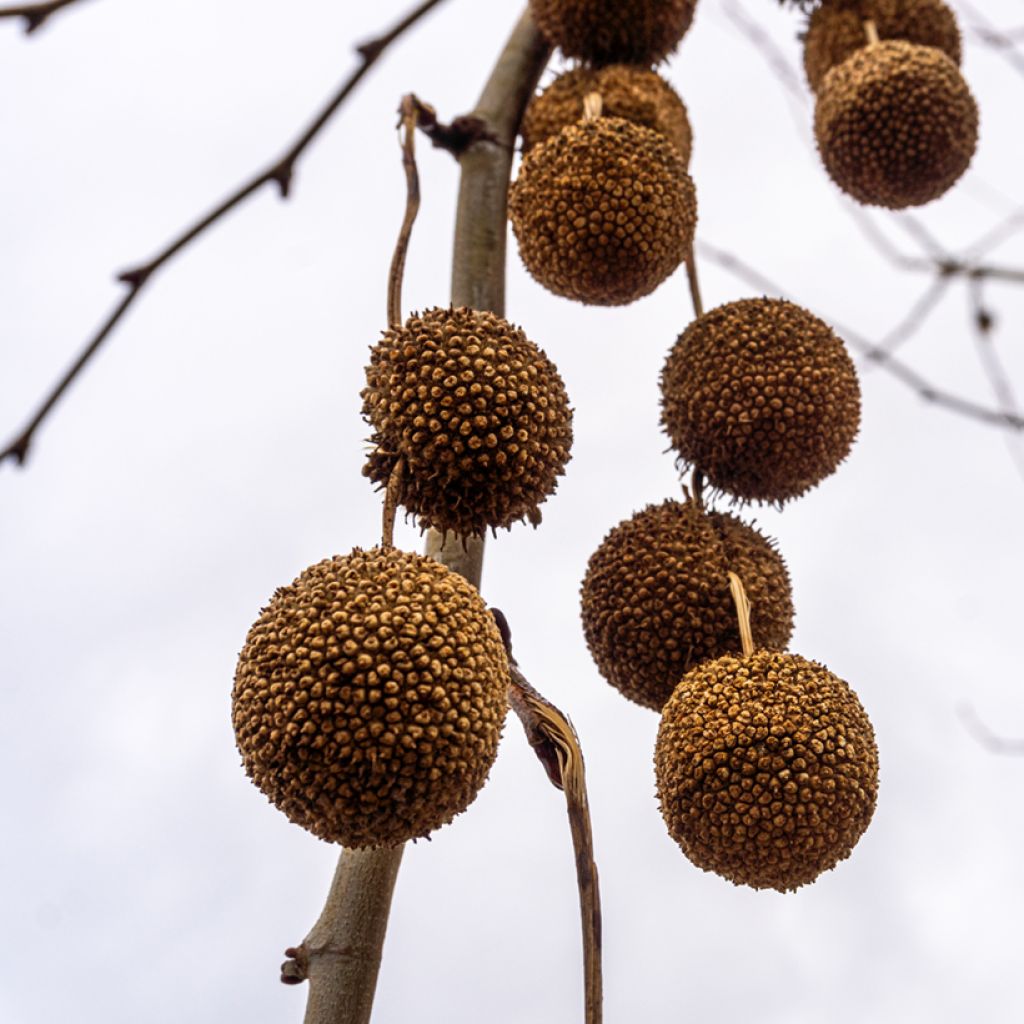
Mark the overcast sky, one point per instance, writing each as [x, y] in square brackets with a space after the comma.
[213, 450]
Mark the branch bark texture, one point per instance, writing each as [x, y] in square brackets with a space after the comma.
[341, 955]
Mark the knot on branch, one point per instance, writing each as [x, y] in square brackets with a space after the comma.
[136, 277]
[457, 137]
[295, 970]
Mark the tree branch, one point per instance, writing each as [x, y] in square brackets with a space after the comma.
[355, 917]
[280, 173]
[891, 364]
[35, 15]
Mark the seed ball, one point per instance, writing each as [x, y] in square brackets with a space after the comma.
[477, 414]
[633, 93]
[655, 600]
[896, 124]
[836, 29]
[370, 696]
[767, 769]
[614, 31]
[603, 212]
[762, 397]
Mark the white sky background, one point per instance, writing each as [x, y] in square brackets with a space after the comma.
[213, 450]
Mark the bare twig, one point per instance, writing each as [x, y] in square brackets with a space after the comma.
[892, 365]
[988, 739]
[279, 173]
[35, 15]
[557, 747]
[341, 988]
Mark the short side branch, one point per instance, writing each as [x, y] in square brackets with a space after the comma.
[35, 15]
[279, 173]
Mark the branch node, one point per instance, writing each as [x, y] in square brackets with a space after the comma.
[136, 277]
[295, 970]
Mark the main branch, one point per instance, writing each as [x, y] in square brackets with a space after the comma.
[279, 173]
[356, 913]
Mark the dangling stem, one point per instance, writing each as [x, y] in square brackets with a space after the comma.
[871, 31]
[697, 488]
[387, 536]
[739, 596]
[691, 277]
[409, 111]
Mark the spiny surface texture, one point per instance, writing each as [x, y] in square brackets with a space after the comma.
[370, 696]
[762, 397]
[603, 212]
[767, 769]
[632, 93]
[896, 124]
[656, 601]
[477, 414]
[614, 31]
[836, 29]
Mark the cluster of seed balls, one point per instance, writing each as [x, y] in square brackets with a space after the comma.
[895, 122]
[603, 207]
[766, 763]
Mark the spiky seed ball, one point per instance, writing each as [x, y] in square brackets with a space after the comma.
[369, 697]
[477, 414]
[656, 600]
[836, 29]
[614, 31]
[603, 212]
[896, 124]
[767, 769]
[762, 397]
[632, 93]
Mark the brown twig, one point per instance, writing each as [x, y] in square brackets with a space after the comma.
[892, 365]
[341, 988]
[556, 745]
[279, 173]
[35, 15]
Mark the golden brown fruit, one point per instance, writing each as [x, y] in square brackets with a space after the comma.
[632, 93]
[614, 31]
[603, 212]
[477, 414]
[369, 697]
[762, 397]
[836, 29]
[655, 600]
[896, 124]
[767, 769]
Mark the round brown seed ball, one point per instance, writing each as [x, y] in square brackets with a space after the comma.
[614, 31]
[836, 29]
[369, 697]
[477, 414]
[655, 600]
[603, 212]
[762, 397]
[632, 93]
[767, 769]
[896, 124]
